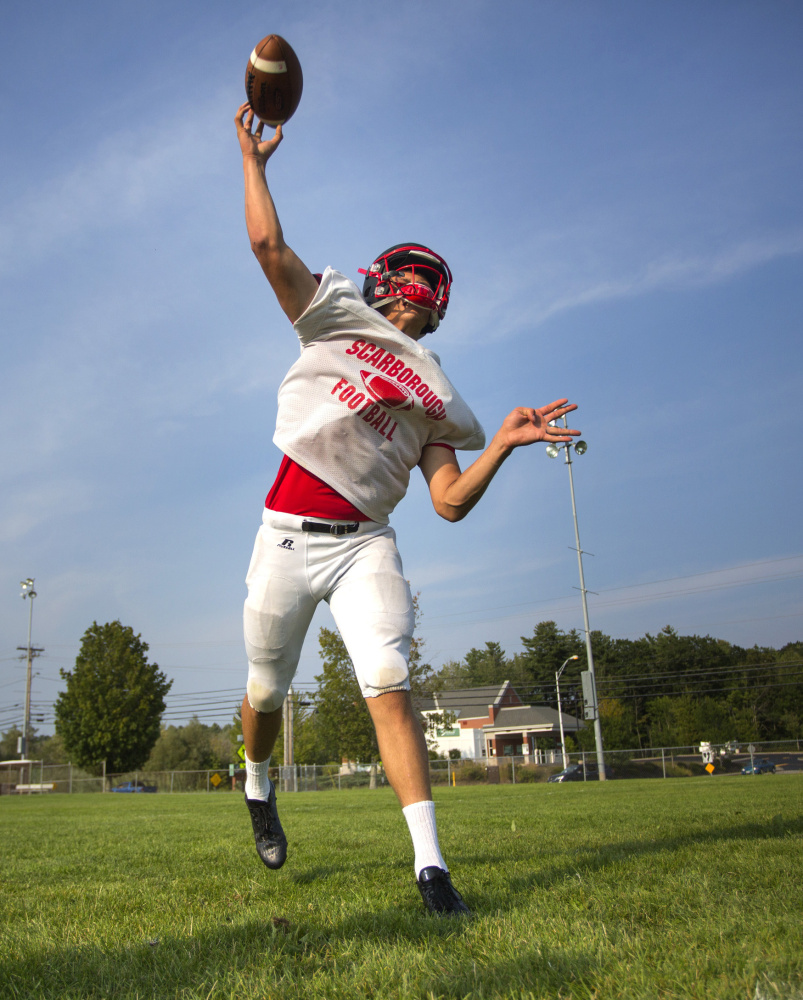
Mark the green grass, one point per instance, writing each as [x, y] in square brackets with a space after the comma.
[630, 890]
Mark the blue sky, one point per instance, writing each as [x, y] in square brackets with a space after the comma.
[617, 188]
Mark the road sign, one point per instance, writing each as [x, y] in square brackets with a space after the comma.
[709, 768]
[216, 779]
[241, 752]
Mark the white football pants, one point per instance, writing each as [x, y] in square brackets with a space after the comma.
[359, 575]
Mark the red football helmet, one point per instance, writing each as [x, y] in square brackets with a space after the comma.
[384, 281]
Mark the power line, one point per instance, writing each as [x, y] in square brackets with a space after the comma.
[773, 665]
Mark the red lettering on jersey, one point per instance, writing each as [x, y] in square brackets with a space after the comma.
[384, 392]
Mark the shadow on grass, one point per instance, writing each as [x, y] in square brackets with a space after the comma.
[397, 951]
[379, 954]
[593, 859]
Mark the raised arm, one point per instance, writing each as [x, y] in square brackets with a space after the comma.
[289, 277]
[454, 493]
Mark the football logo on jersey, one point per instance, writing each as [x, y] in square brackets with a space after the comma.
[390, 394]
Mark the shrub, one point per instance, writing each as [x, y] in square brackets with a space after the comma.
[466, 773]
[529, 773]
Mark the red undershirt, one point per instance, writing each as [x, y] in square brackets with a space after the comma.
[296, 491]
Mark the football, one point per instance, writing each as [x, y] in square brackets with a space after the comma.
[273, 80]
[390, 394]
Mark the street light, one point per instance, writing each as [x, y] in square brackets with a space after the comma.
[27, 591]
[553, 450]
[560, 714]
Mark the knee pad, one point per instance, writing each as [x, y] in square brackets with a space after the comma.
[263, 698]
[387, 671]
[274, 633]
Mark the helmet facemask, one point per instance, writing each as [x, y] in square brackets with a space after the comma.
[398, 273]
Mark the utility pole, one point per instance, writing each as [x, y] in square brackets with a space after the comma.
[22, 744]
[288, 729]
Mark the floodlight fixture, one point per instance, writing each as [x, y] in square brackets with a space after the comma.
[553, 450]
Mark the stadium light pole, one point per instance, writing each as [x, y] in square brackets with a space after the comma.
[580, 447]
[560, 714]
[29, 592]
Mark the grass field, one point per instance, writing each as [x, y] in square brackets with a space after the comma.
[633, 889]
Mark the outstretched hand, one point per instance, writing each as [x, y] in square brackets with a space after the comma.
[526, 425]
[251, 142]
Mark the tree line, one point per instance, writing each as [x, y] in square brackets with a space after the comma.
[658, 690]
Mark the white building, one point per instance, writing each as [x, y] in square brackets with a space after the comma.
[490, 722]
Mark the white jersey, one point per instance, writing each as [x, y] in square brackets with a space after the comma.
[364, 399]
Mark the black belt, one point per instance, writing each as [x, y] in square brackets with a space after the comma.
[330, 529]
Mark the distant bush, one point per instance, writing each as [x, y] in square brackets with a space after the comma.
[465, 773]
[529, 773]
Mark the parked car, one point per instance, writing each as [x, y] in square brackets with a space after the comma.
[759, 767]
[134, 786]
[574, 772]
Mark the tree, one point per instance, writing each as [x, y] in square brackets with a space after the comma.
[114, 700]
[309, 745]
[8, 742]
[479, 668]
[193, 747]
[342, 718]
[545, 652]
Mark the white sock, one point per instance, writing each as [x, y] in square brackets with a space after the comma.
[257, 782]
[420, 818]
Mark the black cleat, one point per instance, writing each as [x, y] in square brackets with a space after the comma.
[438, 893]
[268, 833]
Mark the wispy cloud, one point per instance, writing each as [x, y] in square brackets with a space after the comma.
[561, 274]
[129, 172]
[694, 270]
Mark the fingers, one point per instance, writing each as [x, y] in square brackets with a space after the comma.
[243, 111]
[558, 408]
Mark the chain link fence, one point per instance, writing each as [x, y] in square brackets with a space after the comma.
[29, 777]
